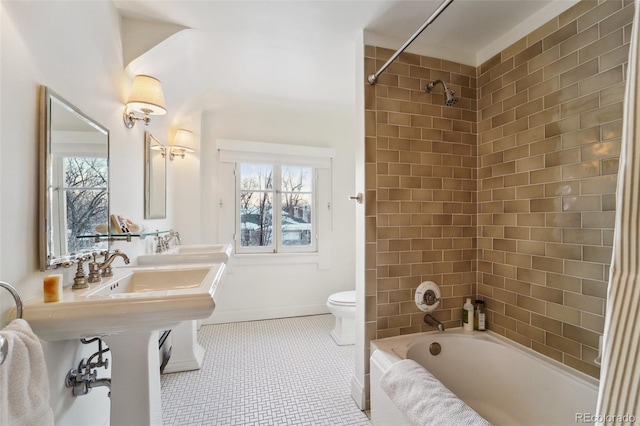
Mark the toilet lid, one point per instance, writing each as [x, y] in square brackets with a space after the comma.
[343, 298]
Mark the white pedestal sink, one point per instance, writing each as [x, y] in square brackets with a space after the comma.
[127, 311]
[187, 354]
[196, 253]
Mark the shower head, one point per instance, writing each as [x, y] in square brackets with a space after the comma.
[450, 95]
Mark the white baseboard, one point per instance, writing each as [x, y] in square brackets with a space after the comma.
[220, 316]
[358, 394]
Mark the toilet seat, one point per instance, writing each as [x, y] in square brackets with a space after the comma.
[343, 298]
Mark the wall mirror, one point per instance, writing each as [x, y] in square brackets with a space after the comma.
[74, 182]
[155, 178]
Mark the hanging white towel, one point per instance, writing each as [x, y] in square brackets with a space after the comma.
[24, 384]
[424, 399]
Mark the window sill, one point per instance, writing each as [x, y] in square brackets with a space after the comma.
[265, 259]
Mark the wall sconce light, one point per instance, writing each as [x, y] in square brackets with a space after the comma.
[161, 148]
[182, 144]
[146, 97]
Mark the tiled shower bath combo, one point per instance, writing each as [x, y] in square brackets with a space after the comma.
[510, 193]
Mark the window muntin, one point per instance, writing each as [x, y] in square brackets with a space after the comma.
[261, 228]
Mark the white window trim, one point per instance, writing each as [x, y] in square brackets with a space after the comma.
[233, 151]
[277, 241]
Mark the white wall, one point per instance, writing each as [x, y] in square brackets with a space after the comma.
[74, 48]
[257, 291]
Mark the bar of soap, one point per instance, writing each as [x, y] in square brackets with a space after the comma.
[52, 288]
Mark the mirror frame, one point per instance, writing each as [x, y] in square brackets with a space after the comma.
[47, 260]
[149, 190]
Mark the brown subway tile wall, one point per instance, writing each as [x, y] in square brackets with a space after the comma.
[569, 182]
[508, 195]
[422, 195]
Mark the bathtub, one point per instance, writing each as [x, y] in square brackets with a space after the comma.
[504, 382]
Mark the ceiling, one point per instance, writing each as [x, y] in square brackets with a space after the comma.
[305, 50]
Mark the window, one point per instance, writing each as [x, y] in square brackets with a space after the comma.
[275, 211]
[275, 202]
[81, 201]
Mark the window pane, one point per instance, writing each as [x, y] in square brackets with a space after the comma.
[297, 179]
[86, 209]
[296, 219]
[256, 176]
[256, 219]
[85, 172]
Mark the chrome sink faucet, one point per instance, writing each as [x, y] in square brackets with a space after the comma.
[176, 235]
[96, 268]
[162, 243]
[172, 234]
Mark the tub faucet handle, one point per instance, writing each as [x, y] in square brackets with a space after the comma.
[430, 297]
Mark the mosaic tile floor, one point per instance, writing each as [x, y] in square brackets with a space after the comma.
[276, 372]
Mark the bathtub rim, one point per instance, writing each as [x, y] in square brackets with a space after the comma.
[389, 350]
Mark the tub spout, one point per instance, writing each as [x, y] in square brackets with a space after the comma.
[429, 320]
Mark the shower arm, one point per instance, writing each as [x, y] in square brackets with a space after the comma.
[373, 78]
[429, 87]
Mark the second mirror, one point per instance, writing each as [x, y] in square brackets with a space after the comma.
[155, 178]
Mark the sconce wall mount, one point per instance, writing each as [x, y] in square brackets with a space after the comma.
[182, 143]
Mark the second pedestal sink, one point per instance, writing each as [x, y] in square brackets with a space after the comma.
[196, 253]
[127, 311]
[187, 354]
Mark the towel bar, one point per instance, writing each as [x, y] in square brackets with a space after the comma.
[16, 297]
[4, 347]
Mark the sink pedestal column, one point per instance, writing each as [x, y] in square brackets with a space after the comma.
[186, 352]
[135, 379]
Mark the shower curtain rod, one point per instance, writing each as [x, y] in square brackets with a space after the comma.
[373, 78]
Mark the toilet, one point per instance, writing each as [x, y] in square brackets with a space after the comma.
[343, 306]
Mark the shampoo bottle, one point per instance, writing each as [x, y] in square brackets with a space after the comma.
[467, 316]
[480, 317]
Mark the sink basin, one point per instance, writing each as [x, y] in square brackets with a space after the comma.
[141, 298]
[153, 282]
[196, 253]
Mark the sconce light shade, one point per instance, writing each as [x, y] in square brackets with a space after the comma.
[146, 97]
[183, 142]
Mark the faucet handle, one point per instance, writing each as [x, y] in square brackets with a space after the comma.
[430, 297]
[80, 279]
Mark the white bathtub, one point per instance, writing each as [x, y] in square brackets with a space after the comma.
[506, 383]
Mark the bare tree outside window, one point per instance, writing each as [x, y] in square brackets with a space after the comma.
[86, 197]
[296, 195]
[256, 205]
[292, 187]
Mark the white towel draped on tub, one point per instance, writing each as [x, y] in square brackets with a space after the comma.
[24, 384]
[424, 399]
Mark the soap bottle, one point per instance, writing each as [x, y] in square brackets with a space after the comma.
[480, 316]
[467, 316]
